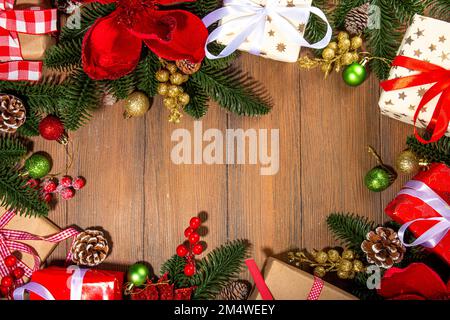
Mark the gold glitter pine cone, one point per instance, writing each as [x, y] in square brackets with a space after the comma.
[90, 248]
[383, 247]
[12, 113]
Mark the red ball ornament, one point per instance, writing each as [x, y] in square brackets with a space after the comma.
[65, 181]
[32, 183]
[194, 237]
[51, 128]
[4, 291]
[182, 251]
[7, 281]
[78, 183]
[189, 269]
[50, 186]
[195, 223]
[188, 232]
[18, 273]
[10, 261]
[47, 197]
[197, 249]
[67, 193]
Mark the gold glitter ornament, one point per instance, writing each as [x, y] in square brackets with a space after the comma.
[345, 265]
[320, 272]
[174, 91]
[333, 255]
[342, 35]
[348, 254]
[347, 58]
[356, 43]
[328, 54]
[163, 89]
[170, 103]
[184, 99]
[321, 257]
[333, 45]
[342, 274]
[177, 78]
[136, 105]
[172, 68]
[162, 75]
[358, 266]
[344, 45]
[407, 162]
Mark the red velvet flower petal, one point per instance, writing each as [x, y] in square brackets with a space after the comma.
[173, 34]
[109, 50]
[416, 280]
[170, 2]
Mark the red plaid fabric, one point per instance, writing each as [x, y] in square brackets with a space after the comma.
[32, 21]
[9, 243]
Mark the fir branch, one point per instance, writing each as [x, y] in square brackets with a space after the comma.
[316, 27]
[145, 74]
[64, 56]
[121, 88]
[198, 104]
[404, 10]
[15, 194]
[220, 267]
[231, 91]
[223, 63]
[360, 289]
[30, 127]
[11, 150]
[350, 230]
[439, 9]
[202, 7]
[174, 267]
[433, 152]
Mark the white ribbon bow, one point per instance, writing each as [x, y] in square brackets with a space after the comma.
[251, 17]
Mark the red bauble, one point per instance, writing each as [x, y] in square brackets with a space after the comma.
[189, 269]
[78, 183]
[4, 291]
[7, 281]
[48, 197]
[10, 261]
[51, 128]
[182, 251]
[188, 232]
[194, 237]
[67, 193]
[18, 273]
[33, 183]
[195, 223]
[65, 182]
[197, 249]
[50, 186]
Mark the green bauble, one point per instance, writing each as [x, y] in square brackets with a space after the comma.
[379, 179]
[355, 74]
[138, 274]
[38, 166]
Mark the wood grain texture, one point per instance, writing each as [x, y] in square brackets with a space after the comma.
[144, 200]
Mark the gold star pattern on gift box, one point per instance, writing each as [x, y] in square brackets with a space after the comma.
[426, 39]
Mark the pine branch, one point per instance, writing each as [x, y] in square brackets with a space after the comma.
[145, 74]
[223, 63]
[121, 88]
[15, 194]
[349, 229]
[30, 127]
[11, 150]
[220, 267]
[64, 56]
[433, 152]
[198, 104]
[231, 91]
[361, 290]
[202, 7]
[316, 27]
[174, 267]
[406, 9]
[439, 9]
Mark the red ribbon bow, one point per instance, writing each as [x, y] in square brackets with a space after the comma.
[429, 73]
[112, 46]
[9, 243]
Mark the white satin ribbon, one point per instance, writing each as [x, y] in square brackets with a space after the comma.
[251, 17]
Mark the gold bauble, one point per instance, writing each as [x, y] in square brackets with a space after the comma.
[184, 99]
[345, 265]
[342, 36]
[344, 45]
[407, 162]
[170, 103]
[333, 255]
[343, 274]
[176, 78]
[162, 75]
[174, 91]
[320, 271]
[348, 254]
[321, 257]
[328, 54]
[355, 56]
[358, 266]
[356, 43]
[172, 68]
[163, 89]
[136, 105]
[175, 116]
[332, 45]
[347, 58]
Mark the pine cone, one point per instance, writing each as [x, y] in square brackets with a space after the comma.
[90, 248]
[383, 247]
[236, 290]
[12, 113]
[188, 67]
[357, 19]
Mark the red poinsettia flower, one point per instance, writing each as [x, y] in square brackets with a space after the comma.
[112, 46]
[415, 282]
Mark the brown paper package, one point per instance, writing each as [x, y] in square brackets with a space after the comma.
[286, 282]
[33, 47]
[36, 226]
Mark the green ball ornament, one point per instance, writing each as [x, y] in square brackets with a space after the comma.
[38, 166]
[355, 74]
[138, 274]
[379, 179]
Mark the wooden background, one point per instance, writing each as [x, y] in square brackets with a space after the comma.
[144, 201]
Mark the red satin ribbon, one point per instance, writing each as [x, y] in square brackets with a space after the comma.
[429, 73]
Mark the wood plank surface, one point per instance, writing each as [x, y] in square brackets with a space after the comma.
[144, 200]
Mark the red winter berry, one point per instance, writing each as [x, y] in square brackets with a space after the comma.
[197, 249]
[18, 273]
[67, 193]
[194, 237]
[182, 251]
[47, 197]
[7, 281]
[32, 183]
[78, 183]
[189, 270]
[10, 261]
[188, 232]
[195, 223]
[4, 291]
[65, 181]
[51, 128]
[50, 186]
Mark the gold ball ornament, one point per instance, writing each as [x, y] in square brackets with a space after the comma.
[345, 265]
[347, 58]
[342, 274]
[172, 68]
[407, 162]
[358, 266]
[163, 89]
[333, 45]
[355, 57]
[136, 105]
[320, 272]
[328, 54]
[177, 78]
[184, 99]
[356, 43]
[170, 103]
[333, 255]
[348, 254]
[344, 45]
[321, 257]
[162, 75]
[342, 35]
[174, 91]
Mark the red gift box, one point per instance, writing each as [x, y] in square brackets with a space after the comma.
[58, 284]
[415, 208]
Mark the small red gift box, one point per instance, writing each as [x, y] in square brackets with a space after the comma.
[60, 284]
[423, 207]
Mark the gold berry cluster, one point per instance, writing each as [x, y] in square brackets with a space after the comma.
[345, 265]
[170, 87]
[337, 54]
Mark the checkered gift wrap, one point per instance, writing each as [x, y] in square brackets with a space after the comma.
[30, 21]
[426, 39]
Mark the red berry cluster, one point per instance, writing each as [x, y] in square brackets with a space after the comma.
[192, 247]
[65, 187]
[16, 273]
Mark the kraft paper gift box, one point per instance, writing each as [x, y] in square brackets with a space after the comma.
[38, 226]
[287, 282]
[428, 40]
[275, 44]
